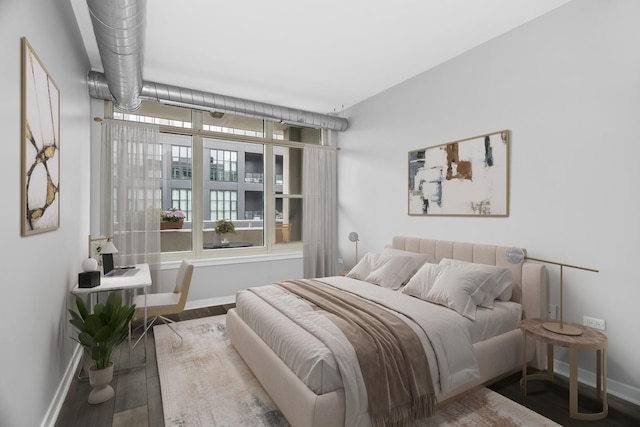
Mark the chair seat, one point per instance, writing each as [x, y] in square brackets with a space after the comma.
[157, 300]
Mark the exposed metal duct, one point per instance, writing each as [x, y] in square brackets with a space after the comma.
[119, 29]
[173, 95]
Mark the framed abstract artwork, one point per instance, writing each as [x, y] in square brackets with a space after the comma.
[469, 177]
[40, 192]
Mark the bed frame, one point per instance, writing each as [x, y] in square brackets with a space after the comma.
[497, 357]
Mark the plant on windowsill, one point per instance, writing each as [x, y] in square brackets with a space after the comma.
[100, 332]
[171, 219]
[224, 227]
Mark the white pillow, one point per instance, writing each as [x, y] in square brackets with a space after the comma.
[460, 289]
[364, 266]
[418, 257]
[422, 282]
[387, 271]
[503, 276]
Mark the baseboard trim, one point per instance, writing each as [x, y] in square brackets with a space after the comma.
[60, 395]
[615, 388]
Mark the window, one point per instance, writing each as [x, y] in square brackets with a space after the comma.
[221, 166]
[180, 162]
[224, 205]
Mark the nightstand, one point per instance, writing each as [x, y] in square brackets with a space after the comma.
[344, 272]
[589, 340]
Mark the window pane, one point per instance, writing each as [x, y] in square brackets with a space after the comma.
[223, 165]
[177, 191]
[288, 182]
[227, 196]
[159, 114]
[285, 132]
[232, 124]
[289, 222]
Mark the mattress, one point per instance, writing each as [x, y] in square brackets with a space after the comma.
[314, 363]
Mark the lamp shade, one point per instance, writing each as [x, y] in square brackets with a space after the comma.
[515, 255]
[109, 248]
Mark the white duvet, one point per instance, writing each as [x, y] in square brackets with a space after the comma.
[443, 333]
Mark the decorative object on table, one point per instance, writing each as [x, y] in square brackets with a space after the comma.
[172, 219]
[353, 237]
[89, 264]
[516, 256]
[99, 333]
[107, 255]
[223, 227]
[95, 248]
[89, 279]
[469, 177]
[40, 191]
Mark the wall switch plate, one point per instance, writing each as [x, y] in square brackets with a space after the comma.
[340, 261]
[592, 322]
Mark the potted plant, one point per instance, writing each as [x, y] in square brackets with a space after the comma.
[224, 227]
[171, 219]
[100, 332]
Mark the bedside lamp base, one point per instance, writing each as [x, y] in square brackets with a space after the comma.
[561, 329]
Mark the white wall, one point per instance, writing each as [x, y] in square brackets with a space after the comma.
[39, 270]
[567, 87]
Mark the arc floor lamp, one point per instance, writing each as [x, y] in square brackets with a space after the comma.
[516, 256]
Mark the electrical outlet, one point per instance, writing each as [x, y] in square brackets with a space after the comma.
[594, 323]
[340, 261]
[552, 311]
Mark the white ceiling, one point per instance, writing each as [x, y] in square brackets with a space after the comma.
[318, 56]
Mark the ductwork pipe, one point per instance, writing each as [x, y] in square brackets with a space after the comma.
[173, 95]
[119, 29]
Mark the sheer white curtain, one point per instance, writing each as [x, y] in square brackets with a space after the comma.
[319, 211]
[131, 191]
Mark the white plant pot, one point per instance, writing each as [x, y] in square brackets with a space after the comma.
[99, 380]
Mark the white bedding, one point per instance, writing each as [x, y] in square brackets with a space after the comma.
[314, 363]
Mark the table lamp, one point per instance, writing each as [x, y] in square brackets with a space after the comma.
[516, 256]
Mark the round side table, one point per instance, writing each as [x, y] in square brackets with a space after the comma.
[590, 339]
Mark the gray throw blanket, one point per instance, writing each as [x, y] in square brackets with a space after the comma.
[391, 358]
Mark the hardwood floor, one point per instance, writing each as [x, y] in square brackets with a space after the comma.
[138, 402]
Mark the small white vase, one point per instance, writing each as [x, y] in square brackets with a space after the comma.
[99, 380]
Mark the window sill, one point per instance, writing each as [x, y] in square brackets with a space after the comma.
[170, 261]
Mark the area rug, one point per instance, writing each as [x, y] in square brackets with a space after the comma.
[205, 382]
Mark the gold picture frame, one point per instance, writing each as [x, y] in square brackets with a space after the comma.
[40, 191]
[469, 177]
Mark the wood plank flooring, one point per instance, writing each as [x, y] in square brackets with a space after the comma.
[138, 402]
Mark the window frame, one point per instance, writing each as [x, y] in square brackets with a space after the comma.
[198, 134]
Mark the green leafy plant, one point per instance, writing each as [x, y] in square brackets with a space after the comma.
[104, 329]
[223, 226]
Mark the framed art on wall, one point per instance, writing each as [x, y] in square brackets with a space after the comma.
[40, 192]
[469, 177]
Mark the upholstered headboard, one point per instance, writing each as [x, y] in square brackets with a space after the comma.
[531, 281]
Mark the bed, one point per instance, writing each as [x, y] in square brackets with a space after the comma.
[307, 386]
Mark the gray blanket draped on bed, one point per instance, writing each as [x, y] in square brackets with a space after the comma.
[391, 357]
